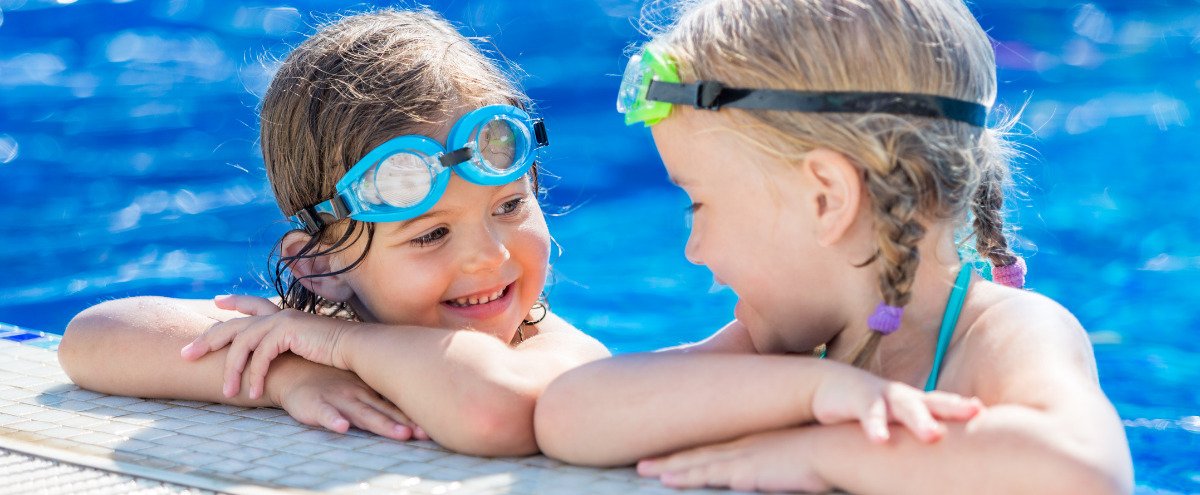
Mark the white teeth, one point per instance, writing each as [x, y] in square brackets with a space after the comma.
[471, 301]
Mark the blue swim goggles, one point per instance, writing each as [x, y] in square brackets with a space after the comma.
[405, 176]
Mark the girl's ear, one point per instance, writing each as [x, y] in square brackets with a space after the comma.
[331, 287]
[838, 193]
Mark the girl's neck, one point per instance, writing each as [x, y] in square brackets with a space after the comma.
[906, 355]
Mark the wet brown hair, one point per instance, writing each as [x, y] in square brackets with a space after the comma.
[357, 82]
[915, 169]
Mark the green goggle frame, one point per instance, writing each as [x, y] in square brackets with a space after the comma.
[651, 86]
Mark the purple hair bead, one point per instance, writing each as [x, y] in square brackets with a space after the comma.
[1012, 275]
[886, 319]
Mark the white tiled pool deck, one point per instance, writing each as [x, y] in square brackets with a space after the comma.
[58, 438]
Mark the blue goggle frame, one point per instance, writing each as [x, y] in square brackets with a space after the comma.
[359, 194]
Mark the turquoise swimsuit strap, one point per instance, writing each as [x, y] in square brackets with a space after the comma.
[949, 321]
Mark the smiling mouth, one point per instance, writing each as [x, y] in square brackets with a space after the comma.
[466, 302]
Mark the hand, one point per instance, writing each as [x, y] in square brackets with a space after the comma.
[336, 399]
[266, 333]
[856, 395]
[771, 461]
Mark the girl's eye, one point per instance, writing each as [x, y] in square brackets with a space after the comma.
[689, 212]
[510, 207]
[431, 237]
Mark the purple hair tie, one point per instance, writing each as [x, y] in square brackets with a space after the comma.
[886, 319]
[1012, 275]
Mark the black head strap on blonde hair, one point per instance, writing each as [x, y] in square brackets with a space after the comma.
[712, 95]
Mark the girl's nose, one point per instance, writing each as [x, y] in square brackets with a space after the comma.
[488, 253]
[692, 249]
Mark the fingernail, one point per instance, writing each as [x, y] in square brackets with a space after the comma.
[187, 349]
[645, 467]
[879, 433]
[418, 431]
[402, 431]
[222, 297]
[227, 390]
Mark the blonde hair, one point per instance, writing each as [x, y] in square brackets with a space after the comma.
[915, 168]
[356, 83]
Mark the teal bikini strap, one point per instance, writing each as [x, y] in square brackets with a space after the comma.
[949, 320]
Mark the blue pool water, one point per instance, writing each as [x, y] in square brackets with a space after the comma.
[128, 165]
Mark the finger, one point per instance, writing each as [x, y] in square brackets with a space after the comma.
[953, 407]
[420, 434]
[246, 342]
[365, 417]
[909, 410]
[268, 347]
[708, 474]
[650, 468]
[217, 336]
[386, 407]
[331, 419]
[250, 305]
[682, 461]
[874, 421]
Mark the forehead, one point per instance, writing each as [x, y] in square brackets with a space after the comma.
[690, 145]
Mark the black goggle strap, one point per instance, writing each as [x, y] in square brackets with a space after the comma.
[455, 157]
[539, 133]
[309, 218]
[712, 95]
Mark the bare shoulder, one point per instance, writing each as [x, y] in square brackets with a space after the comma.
[1021, 344]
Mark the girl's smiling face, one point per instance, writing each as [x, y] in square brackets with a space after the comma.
[476, 260]
[752, 227]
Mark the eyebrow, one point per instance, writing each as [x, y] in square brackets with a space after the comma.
[406, 223]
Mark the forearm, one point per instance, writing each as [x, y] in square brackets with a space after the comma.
[619, 410]
[1006, 449]
[131, 347]
[466, 389]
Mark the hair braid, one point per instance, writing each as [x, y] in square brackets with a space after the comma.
[988, 209]
[896, 205]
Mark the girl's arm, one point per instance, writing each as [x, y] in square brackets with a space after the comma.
[131, 347]
[619, 410]
[1049, 429]
[471, 392]
[468, 390]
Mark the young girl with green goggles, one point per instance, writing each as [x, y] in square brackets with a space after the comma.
[411, 282]
[835, 152]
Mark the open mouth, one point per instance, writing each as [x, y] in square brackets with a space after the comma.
[479, 299]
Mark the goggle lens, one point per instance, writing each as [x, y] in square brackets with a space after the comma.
[631, 84]
[498, 144]
[401, 180]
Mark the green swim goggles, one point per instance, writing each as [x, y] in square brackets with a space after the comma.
[651, 86]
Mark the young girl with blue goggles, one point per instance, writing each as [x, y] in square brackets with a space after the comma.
[835, 153]
[410, 289]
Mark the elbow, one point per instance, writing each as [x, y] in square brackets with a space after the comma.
[1089, 473]
[551, 423]
[80, 341]
[495, 422]
[1092, 480]
[556, 424]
